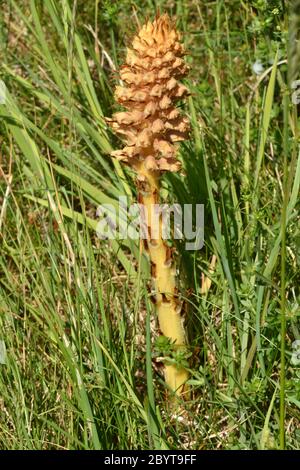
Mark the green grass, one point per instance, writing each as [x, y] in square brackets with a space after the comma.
[81, 369]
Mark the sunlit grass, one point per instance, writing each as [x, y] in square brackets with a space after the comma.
[75, 312]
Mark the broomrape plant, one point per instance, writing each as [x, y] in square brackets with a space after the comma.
[151, 127]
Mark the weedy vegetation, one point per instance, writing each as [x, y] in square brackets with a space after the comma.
[80, 363]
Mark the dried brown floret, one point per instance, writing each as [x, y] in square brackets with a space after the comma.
[152, 125]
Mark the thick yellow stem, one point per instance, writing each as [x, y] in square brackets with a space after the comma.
[163, 273]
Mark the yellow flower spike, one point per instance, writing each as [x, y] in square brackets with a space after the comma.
[151, 126]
